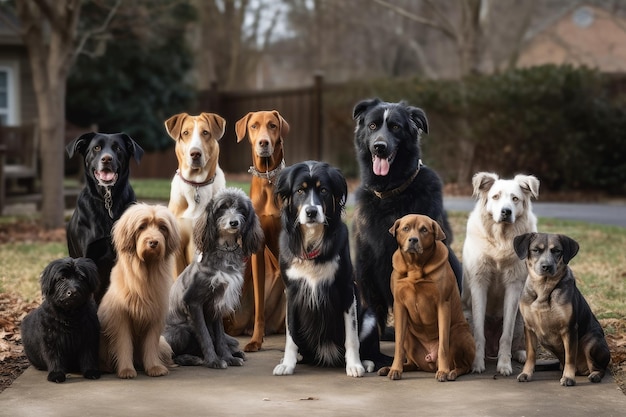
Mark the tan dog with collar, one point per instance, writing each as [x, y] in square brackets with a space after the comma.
[263, 303]
[198, 176]
[430, 329]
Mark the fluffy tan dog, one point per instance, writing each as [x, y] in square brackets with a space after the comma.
[132, 312]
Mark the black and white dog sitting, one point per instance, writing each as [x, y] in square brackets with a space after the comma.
[62, 334]
[209, 288]
[325, 324]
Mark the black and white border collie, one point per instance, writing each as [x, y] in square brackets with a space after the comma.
[324, 322]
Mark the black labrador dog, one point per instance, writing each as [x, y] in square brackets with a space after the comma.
[106, 195]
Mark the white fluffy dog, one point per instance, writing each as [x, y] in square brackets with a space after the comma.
[493, 275]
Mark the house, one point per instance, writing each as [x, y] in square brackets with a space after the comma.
[17, 96]
[581, 35]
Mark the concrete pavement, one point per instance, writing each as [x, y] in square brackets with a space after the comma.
[253, 390]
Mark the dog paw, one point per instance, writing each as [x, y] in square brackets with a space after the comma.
[524, 377]
[239, 354]
[92, 374]
[252, 346]
[282, 369]
[568, 382]
[369, 366]
[595, 376]
[441, 376]
[395, 374]
[479, 365]
[234, 361]
[504, 366]
[157, 370]
[452, 375]
[355, 370]
[56, 376]
[216, 364]
[126, 373]
[384, 371]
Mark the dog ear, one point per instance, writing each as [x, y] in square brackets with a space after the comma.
[394, 228]
[204, 229]
[47, 277]
[283, 125]
[529, 184]
[174, 124]
[217, 123]
[79, 144]
[570, 248]
[124, 230]
[483, 181]
[252, 232]
[241, 127]
[133, 147]
[521, 244]
[419, 117]
[173, 240]
[339, 186]
[89, 272]
[438, 231]
[362, 106]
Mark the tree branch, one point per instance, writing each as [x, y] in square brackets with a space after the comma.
[102, 29]
[445, 27]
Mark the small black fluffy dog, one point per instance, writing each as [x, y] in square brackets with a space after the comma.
[394, 183]
[209, 288]
[106, 196]
[61, 335]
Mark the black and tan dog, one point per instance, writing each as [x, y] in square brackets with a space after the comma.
[556, 314]
[430, 329]
[106, 196]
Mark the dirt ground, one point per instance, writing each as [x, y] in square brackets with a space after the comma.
[13, 309]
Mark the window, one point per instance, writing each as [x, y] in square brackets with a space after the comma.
[7, 96]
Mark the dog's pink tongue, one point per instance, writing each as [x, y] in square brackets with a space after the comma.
[106, 175]
[381, 166]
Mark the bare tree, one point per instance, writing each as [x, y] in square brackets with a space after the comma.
[229, 38]
[49, 31]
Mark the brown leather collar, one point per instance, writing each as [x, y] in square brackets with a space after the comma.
[194, 183]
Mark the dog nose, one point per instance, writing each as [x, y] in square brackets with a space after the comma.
[413, 240]
[264, 143]
[195, 153]
[153, 244]
[311, 212]
[380, 147]
[234, 223]
[106, 158]
[506, 212]
[546, 268]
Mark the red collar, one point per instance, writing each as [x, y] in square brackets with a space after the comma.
[196, 184]
[310, 255]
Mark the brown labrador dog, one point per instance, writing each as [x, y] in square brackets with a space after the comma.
[555, 313]
[430, 328]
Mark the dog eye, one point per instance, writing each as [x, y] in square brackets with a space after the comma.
[515, 199]
[272, 126]
[142, 226]
[395, 128]
[324, 191]
[300, 191]
[97, 148]
[495, 197]
[205, 132]
[163, 228]
[372, 126]
[556, 251]
[185, 132]
[254, 126]
[406, 228]
[424, 230]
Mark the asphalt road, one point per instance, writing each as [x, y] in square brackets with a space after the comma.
[613, 213]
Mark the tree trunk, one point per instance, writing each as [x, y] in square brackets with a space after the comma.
[49, 33]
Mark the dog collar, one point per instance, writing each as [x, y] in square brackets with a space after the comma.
[310, 255]
[195, 184]
[391, 193]
[269, 175]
